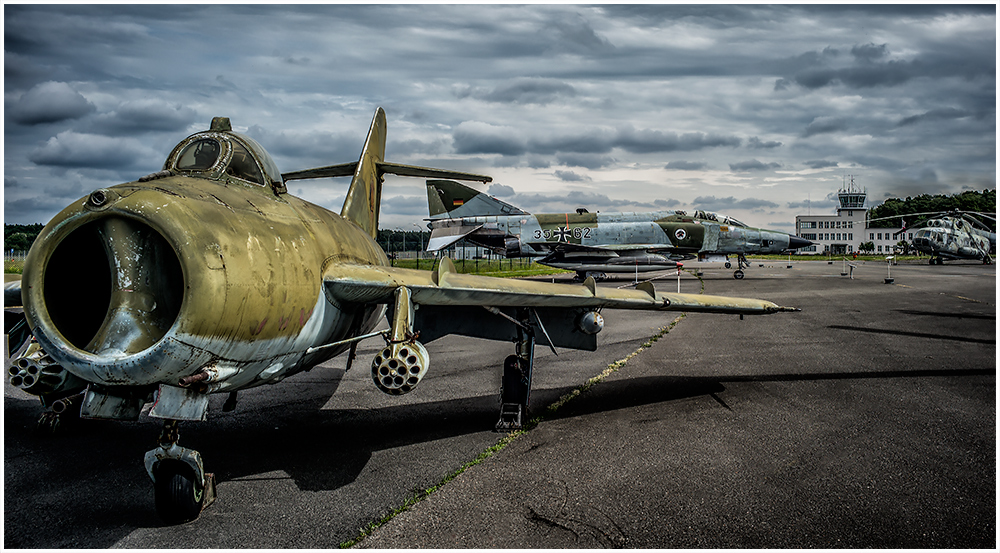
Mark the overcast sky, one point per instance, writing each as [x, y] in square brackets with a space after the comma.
[757, 112]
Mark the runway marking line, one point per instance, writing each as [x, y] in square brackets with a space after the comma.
[419, 496]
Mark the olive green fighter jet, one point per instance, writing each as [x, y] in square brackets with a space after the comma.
[594, 243]
[209, 277]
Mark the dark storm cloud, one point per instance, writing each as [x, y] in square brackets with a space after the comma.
[758, 144]
[588, 161]
[521, 91]
[941, 114]
[870, 66]
[753, 165]
[142, 116]
[517, 91]
[571, 176]
[483, 138]
[542, 203]
[711, 203]
[49, 102]
[71, 149]
[829, 203]
[822, 125]
[648, 141]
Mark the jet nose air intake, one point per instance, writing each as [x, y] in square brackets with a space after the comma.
[111, 288]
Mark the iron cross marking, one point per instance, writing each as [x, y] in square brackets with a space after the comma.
[562, 234]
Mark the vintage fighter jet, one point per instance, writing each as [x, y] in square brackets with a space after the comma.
[951, 235]
[594, 243]
[208, 277]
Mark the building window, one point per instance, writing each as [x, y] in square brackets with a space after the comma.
[871, 236]
[880, 249]
[850, 236]
[880, 237]
[911, 236]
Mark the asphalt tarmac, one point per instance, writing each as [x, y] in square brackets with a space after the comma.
[866, 420]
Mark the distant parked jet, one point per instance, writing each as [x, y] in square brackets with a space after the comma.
[593, 243]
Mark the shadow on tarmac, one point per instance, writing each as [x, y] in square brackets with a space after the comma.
[86, 487]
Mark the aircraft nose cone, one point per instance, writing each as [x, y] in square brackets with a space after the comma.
[795, 242]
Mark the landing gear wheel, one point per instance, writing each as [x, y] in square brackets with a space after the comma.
[729, 265]
[738, 275]
[178, 497]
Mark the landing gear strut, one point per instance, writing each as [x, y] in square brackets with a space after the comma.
[515, 385]
[182, 488]
[741, 261]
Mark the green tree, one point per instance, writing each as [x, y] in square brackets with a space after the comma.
[20, 237]
[970, 200]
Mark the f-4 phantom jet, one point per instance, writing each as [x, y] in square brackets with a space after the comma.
[208, 277]
[594, 243]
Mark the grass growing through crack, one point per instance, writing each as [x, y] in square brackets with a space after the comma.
[419, 496]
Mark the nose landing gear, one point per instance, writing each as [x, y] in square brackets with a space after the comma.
[741, 261]
[182, 488]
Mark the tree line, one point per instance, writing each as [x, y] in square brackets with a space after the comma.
[20, 237]
[971, 200]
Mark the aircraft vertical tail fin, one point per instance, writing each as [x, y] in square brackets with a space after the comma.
[365, 193]
[449, 199]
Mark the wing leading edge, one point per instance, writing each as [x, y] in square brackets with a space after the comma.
[447, 287]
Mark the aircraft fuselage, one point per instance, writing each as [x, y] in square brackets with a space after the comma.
[533, 235]
[188, 274]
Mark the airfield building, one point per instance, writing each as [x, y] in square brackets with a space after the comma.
[844, 232]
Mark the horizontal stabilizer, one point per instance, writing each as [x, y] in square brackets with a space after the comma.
[348, 169]
[442, 237]
[342, 170]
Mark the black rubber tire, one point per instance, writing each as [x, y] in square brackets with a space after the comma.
[738, 275]
[178, 498]
[729, 265]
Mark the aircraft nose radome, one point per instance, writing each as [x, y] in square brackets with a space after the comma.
[795, 242]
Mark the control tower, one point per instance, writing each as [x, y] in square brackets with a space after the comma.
[851, 197]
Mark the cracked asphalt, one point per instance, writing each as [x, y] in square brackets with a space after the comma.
[866, 420]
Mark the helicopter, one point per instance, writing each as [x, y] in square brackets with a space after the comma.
[951, 234]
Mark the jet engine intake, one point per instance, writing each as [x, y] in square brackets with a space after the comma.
[398, 368]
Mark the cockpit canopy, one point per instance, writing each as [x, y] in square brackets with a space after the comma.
[726, 220]
[220, 153]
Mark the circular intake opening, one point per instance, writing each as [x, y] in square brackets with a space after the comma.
[107, 267]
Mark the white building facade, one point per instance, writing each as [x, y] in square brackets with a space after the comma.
[843, 233]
